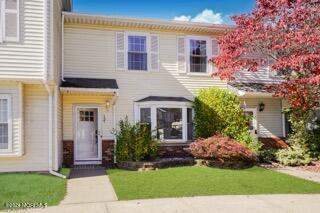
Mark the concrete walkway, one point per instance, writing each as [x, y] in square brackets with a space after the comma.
[89, 185]
[313, 176]
[208, 204]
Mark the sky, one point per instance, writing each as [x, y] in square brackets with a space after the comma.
[209, 11]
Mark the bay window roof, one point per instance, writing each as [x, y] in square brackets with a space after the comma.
[164, 98]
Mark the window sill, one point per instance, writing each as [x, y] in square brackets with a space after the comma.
[10, 155]
[199, 74]
[173, 143]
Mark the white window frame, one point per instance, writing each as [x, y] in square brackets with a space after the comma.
[3, 12]
[208, 52]
[8, 98]
[153, 105]
[147, 35]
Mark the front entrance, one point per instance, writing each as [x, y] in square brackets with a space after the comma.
[253, 124]
[87, 135]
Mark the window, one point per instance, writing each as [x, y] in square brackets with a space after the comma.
[168, 122]
[9, 20]
[198, 56]
[5, 126]
[86, 115]
[137, 53]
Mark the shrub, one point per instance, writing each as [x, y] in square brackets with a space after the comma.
[221, 148]
[293, 156]
[219, 111]
[134, 142]
[267, 155]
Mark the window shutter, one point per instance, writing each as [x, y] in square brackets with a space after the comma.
[120, 51]
[181, 55]
[11, 20]
[154, 52]
[215, 52]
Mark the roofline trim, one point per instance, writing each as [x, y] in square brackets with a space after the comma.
[77, 89]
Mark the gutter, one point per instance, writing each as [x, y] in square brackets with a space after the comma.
[114, 108]
[62, 48]
[50, 128]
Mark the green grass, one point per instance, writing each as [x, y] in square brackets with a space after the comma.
[193, 181]
[65, 171]
[31, 188]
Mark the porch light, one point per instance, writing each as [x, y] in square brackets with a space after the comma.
[261, 107]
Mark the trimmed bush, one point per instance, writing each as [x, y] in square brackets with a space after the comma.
[134, 142]
[218, 111]
[221, 148]
[293, 156]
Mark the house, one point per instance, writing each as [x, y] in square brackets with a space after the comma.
[65, 86]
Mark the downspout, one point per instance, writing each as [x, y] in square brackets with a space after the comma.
[50, 133]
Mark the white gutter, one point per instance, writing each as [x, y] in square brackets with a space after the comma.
[97, 90]
[50, 129]
[62, 47]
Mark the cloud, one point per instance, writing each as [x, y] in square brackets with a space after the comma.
[206, 16]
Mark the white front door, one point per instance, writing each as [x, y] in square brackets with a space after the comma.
[253, 124]
[87, 134]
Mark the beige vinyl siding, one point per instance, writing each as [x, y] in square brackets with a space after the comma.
[56, 69]
[35, 135]
[91, 53]
[269, 120]
[25, 59]
[261, 76]
[72, 100]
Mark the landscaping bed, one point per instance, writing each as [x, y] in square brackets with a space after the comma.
[156, 164]
[197, 181]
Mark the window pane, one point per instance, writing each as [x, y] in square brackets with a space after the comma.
[145, 115]
[137, 61]
[11, 4]
[137, 44]
[4, 136]
[190, 124]
[3, 110]
[198, 47]
[169, 123]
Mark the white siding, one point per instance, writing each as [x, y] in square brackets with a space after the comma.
[92, 54]
[35, 135]
[25, 59]
[260, 76]
[269, 120]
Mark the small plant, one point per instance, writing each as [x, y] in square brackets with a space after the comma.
[293, 156]
[267, 155]
[221, 148]
[135, 142]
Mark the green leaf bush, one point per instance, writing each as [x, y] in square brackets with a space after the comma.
[295, 155]
[135, 142]
[218, 111]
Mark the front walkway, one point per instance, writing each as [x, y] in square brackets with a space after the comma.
[221, 204]
[89, 185]
[313, 176]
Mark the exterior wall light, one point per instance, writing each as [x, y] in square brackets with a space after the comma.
[261, 107]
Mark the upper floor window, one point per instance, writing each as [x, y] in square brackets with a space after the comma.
[198, 56]
[137, 53]
[5, 119]
[9, 20]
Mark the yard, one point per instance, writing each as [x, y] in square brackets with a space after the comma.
[31, 188]
[196, 181]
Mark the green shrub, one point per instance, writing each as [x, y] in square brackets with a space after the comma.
[219, 111]
[267, 155]
[135, 142]
[293, 156]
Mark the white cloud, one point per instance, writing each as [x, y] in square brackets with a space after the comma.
[206, 16]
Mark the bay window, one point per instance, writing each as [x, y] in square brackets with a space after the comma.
[170, 122]
[5, 123]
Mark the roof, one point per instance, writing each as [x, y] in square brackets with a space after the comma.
[90, 83]
[164, 98]
[250, 87]
[150, 24]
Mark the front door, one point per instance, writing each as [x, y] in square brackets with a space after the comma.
[87, 134]
[253, 124]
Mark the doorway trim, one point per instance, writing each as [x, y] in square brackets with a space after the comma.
[76, 107]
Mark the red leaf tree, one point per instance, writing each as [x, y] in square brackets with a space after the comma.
[286, 33]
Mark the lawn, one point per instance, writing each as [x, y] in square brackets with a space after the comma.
[31, 188]
[193, 181]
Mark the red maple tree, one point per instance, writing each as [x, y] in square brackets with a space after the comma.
[286, 33]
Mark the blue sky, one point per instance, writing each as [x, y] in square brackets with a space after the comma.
[213, 11]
